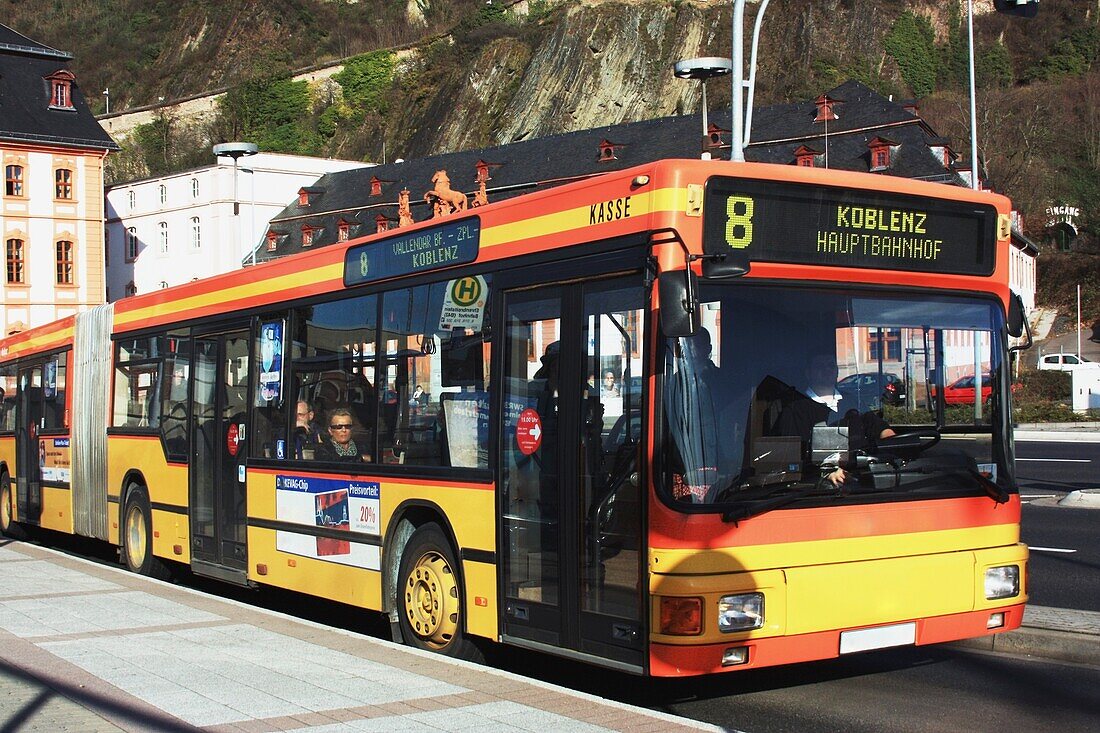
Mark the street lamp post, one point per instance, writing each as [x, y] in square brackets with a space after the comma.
[236, 151]
[703, 69]
[741, 130]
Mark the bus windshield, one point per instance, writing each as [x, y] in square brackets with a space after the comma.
[903, 393]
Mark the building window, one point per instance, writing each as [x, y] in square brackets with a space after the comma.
[888, 337]
[163, 227]
[343, 231]
[194, 188]
[272, 241]
[196, 233]
[881, 158]
[65, 262]
[307, 236]
[133, 199]
[163, 194]
[303, 197]
[375, 186]
[131, 289]
[131, 244]
[13, 180]
[61, 89]
[16, 264]
[63, 184]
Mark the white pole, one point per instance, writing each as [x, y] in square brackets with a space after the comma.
[737, 137]
[973, 112]
[1079, 321]
[706, 153]
[752, 68]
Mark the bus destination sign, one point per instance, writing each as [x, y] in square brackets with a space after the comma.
[453, 243]
[769, 221]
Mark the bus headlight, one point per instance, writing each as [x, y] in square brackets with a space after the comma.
[1002, 581]
[741, 612]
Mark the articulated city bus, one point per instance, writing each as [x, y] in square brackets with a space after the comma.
[680, 419]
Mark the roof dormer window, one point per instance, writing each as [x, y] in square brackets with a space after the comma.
[805, 156]
[608, 150]
[825, 110]
[303, 197]
[880, 153]
[714, 135]
[306, 194]
[61, 89]
[381, 223]
[307, 235]
[272, 241]
[376, 186]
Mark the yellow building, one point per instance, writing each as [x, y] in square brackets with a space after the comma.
[51, 212]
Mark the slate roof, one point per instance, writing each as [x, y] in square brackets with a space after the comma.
[525, 166]
[25, 113]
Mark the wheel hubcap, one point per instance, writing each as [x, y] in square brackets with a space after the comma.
[135, 537]
[5, 508]
[431, 600]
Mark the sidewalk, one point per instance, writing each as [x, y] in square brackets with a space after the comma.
[87, 647]
[91, 648]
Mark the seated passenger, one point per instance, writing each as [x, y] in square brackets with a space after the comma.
[339, 446]
[307, 433]
[819, 402]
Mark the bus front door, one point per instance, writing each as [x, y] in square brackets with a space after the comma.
[571, 511]
[219, 433]
[30, 451]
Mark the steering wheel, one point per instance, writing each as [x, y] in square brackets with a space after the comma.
[913, 443]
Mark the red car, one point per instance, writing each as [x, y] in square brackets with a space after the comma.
[961, 391]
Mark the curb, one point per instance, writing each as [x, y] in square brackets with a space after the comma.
[1063, 646]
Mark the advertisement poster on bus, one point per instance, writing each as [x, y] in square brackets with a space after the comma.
[49, 387]
[271, 362]
[333, 507]
[54, 460]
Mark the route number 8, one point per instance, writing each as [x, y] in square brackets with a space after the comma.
[739, 221]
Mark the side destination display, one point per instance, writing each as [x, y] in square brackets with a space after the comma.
[453, 243]
[814, 225]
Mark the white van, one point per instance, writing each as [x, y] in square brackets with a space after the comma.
[1066, 362]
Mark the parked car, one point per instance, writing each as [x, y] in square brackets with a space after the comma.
[1066, 362]
[867, 386]
[961, 391]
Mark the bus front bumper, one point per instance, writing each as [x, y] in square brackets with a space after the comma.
[667, 660]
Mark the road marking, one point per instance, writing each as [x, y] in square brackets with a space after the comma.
[1050, 549]
[1057, 460]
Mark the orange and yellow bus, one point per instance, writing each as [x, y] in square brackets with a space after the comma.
[673, 420]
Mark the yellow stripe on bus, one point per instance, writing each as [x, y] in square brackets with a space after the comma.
[240, 292]
[580, 217]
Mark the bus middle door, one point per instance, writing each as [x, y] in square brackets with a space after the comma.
[219, 433]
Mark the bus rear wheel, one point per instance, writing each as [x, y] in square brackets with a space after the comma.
[429, 596]
[137, 537]
[8, 526]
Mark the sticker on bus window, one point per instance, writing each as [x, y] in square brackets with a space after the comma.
[464, 304]
[271, 362]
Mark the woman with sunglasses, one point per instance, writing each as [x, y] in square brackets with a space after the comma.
[340, 446]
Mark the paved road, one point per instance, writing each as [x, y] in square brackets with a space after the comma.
[1064, 569]
[913, 690]
[1058, 466]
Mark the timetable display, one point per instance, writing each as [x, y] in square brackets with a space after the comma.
[453, 243]
[768, 221]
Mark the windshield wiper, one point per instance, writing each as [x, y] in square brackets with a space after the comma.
[744, 511]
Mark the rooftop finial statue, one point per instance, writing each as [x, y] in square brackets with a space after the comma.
[444, 200]
[404, 211]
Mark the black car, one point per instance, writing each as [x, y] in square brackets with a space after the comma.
[865, 387]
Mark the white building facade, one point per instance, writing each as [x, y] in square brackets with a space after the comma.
[172, 229]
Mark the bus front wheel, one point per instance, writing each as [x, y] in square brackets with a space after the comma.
[8, 525]
[429, 596]
[137, 537]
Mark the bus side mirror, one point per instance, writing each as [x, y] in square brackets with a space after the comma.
[1017, 324]
[679, 306]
